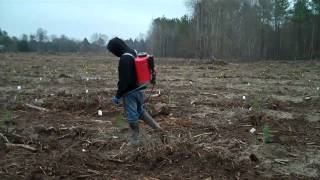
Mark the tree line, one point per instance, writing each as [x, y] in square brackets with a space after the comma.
[237, 29]
[42, 42]
[244, 29]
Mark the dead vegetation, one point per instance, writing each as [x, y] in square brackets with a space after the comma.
[223, 121]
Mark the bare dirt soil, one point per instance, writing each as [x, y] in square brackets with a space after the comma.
[224, 120]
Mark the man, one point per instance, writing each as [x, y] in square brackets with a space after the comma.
[129, 90]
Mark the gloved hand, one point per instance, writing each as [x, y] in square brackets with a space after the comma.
[115, 100]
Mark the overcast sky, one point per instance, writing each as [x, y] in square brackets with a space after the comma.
[82, 18]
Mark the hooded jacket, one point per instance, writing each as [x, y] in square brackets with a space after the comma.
[126, 68]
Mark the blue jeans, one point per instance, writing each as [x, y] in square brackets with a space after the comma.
[133, 106]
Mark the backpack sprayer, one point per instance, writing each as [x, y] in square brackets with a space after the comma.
[145, 71]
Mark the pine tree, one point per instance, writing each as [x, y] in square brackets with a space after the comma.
[279, 15]
[300, 15]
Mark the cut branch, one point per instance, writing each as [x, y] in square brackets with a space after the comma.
[36, 107]
[13, 146]
[4, 138]
[115, 160]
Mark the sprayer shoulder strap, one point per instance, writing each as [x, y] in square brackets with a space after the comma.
[128, 54]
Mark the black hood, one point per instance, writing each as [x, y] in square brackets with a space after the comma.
[118, 47]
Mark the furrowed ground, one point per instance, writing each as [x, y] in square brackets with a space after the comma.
[257, 120]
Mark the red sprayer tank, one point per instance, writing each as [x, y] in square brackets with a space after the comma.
[142, 69]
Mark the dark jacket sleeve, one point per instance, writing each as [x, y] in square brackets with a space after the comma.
[126, 72]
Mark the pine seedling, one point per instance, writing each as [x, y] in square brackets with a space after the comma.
[256, 104]
[102, 133]
[170, 99]
[7, 116]
[266, 133]
[119, 122]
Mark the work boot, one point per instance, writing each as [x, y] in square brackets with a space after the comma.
[150, 121]
[154, 125]
[135, 133]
